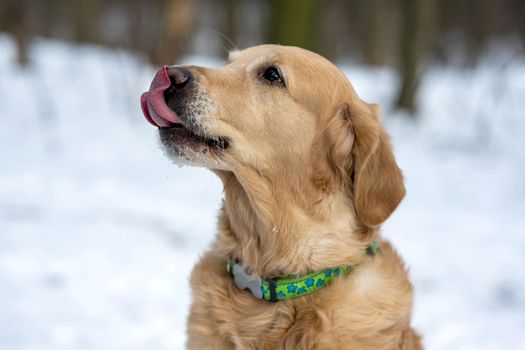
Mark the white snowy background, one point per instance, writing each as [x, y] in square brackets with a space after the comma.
[99, 231]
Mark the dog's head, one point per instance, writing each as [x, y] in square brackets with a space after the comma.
[280, 112]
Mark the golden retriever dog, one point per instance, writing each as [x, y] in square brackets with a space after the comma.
[309, 177]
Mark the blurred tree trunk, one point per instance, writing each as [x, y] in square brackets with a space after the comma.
[480, 23]
[135, 17]
[519, 11]
[14, 18]
[87, 20]
[294, 22]
[48, 16]
[379, 29]
[176, 25]
[415, 24]
[333, 27]
[230, 27]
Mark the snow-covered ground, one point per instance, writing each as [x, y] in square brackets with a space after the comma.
[98, 231]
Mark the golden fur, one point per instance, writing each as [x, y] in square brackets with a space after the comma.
[308, 178]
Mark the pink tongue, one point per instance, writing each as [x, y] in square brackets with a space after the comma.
[153, 104]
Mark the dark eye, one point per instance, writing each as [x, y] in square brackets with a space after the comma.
[273, 75]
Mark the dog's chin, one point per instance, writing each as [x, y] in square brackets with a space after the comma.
[184, 147]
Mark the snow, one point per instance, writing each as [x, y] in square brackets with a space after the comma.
[99, 231]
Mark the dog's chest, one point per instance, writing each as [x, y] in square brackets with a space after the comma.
[348, 314]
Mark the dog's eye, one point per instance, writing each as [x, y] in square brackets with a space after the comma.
[273, 75]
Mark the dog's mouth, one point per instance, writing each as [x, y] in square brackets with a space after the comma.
[171, 126]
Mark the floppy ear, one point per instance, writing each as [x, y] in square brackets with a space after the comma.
[377, 181]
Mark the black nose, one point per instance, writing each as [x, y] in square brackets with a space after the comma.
[181, 90]
[179, 77]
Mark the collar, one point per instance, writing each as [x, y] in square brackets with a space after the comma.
[289, 287]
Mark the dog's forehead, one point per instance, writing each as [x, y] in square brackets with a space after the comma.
[252, 56]
[286, 55]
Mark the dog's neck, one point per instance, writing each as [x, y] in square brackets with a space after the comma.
[276, 230]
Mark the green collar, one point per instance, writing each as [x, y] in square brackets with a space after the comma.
[281, 288]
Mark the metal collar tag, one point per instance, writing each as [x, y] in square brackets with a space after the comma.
[246, 281]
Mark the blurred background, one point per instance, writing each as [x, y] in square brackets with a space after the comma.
[406, 35]
[99, 231]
